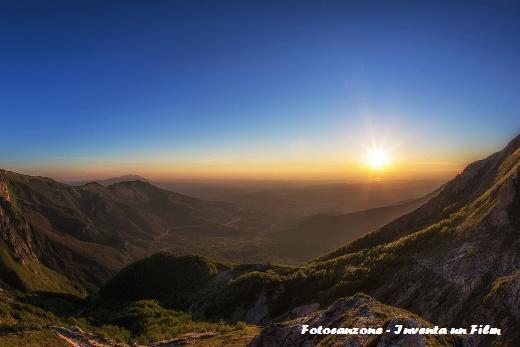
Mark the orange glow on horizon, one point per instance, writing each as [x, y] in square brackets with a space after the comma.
[323, 169]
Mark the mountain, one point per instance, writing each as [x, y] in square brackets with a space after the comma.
[453, 262]
[109, 181]
[125, 178]
[52, 230]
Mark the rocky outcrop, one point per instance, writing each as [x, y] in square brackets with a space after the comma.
[259, 312]
[505, 296]
[76, 337]
[191, 339]
[357, 311]
[505, 199]
[501, 307]
[4, 191]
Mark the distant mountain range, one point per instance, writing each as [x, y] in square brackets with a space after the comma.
[109, 181]
[126, 178]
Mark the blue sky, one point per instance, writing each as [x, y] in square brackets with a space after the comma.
[109, 87]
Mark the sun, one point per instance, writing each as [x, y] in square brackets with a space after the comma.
[378, 158]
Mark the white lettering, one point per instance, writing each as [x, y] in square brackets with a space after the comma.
[305, 328]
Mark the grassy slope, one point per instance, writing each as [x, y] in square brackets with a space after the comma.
[32, 338]
[34, 276]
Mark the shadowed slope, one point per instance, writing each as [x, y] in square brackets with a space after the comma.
[89, 232]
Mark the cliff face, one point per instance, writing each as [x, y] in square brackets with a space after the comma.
[13, 230]
[20, 266]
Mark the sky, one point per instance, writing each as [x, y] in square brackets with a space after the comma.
[256, 89]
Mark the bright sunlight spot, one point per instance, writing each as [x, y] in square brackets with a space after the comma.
[378, 158]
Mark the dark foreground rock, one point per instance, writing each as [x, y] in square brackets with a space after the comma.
[356, 311]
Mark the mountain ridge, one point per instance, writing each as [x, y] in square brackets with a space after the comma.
[89, 232]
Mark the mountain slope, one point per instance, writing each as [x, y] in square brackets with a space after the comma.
[452, 253]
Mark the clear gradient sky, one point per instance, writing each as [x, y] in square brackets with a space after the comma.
[255, 89]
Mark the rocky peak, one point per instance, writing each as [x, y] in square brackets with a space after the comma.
[13, 230]
[480, 175]
[4, 191]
